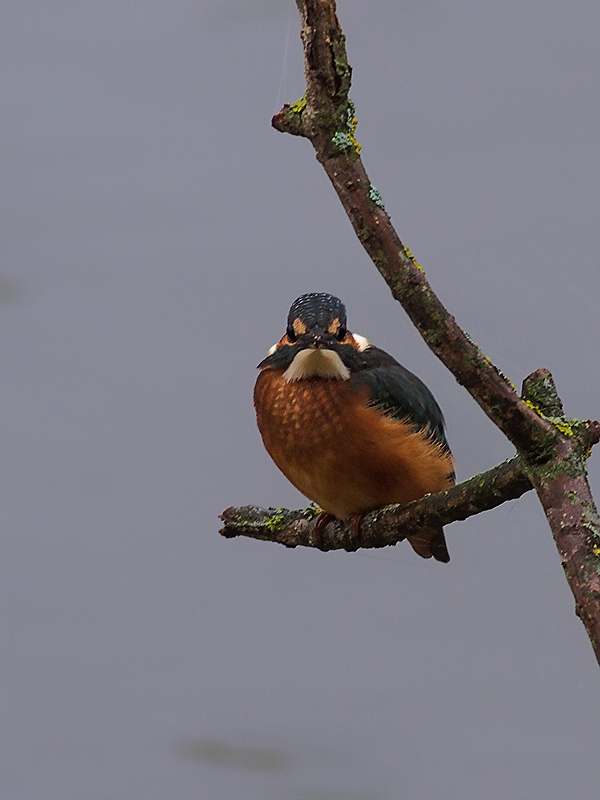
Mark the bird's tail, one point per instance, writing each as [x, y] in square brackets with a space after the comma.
[431, 543]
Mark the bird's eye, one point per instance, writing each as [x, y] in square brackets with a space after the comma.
[291, 333]
[341, 334]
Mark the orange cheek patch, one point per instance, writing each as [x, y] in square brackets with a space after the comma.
[299, 327]
[334, 326]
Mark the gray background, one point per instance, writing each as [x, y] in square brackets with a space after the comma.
[155, 231]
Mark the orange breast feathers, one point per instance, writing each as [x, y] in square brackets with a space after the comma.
[343, 454]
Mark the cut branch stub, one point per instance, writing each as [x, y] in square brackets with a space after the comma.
[325, 114]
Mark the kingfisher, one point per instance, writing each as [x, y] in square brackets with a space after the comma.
[351, 428]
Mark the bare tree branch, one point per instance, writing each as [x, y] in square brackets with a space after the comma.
[552, 449]
[384, 527]
[326, 116]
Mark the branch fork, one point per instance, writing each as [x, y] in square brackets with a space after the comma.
[551, 449]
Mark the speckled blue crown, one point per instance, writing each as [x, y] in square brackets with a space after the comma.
[317, 308]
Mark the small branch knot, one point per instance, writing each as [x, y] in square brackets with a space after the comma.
[539, 390]
[593, 429]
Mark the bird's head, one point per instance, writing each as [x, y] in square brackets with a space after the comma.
[317, 342]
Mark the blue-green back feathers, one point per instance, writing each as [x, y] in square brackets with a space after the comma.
[399, 393]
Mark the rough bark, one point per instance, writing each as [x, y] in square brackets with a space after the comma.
[386, 526]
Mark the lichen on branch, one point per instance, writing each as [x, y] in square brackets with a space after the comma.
[386, 526]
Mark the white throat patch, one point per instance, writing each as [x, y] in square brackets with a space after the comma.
[317, 364]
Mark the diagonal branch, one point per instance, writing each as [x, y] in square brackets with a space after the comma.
[552, 449]
[326, 116]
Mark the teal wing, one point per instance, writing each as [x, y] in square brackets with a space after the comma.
[399, 393]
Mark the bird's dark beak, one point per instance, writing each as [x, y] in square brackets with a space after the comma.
[317, 338]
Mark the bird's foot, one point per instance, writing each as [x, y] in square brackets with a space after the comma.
[355, 521]
[318, 527]
[324, 518]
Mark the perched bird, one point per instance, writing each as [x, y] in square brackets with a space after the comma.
[350, 427]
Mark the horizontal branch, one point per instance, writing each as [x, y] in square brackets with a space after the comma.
[386, 526]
